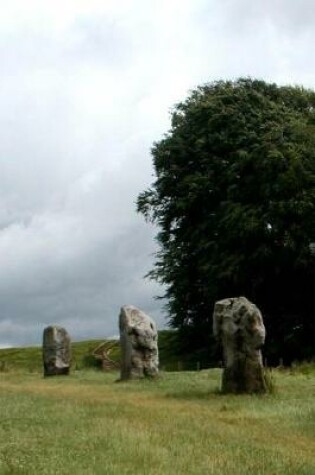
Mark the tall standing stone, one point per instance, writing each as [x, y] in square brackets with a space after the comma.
[138, 340]
[238, 325]
[56, 351]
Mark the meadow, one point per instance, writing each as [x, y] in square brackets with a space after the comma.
[87, 423]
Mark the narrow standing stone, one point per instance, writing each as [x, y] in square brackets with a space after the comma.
[56, 351]
[238, 325]
[138, 340]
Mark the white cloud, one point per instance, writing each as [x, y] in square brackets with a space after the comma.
[86, 87]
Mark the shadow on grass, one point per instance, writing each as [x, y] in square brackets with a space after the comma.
[194, 394]
[305, 422]
[206, 394]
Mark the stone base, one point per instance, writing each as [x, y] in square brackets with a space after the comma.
[56, 371]
[244, 377]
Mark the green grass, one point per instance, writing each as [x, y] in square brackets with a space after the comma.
[30, 358]
[179, 424]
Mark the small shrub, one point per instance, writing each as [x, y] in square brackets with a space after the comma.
[3, 367]
[270, 381]
[89, 361]
[304, 367]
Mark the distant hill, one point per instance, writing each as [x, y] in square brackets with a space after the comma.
[30, 358]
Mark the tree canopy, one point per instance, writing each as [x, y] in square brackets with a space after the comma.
[234, 201]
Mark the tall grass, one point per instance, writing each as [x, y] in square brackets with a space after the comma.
[180, 424]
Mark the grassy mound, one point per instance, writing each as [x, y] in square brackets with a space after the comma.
[30, 358]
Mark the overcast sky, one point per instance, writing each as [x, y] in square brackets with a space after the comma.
[86, 87]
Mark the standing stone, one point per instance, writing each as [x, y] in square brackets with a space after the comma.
[238, 325]
[56, 351]
[138, 340]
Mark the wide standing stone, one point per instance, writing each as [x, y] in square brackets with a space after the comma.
[238, 325]
[56, 351]
[138, 340]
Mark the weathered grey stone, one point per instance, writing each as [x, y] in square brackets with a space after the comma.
[56, 351]
[138, 340]
[238, 325]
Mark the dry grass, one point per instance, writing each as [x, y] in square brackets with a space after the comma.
[180, 424]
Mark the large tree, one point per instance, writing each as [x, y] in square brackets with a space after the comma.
[234, 200]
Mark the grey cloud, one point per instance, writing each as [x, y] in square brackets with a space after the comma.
[82, 292]
[288, 16]
[84, 93]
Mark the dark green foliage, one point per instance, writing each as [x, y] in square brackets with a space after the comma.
[173, 356]
[234, 199]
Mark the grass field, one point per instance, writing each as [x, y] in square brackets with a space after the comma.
[180, 424]
[30, 358]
